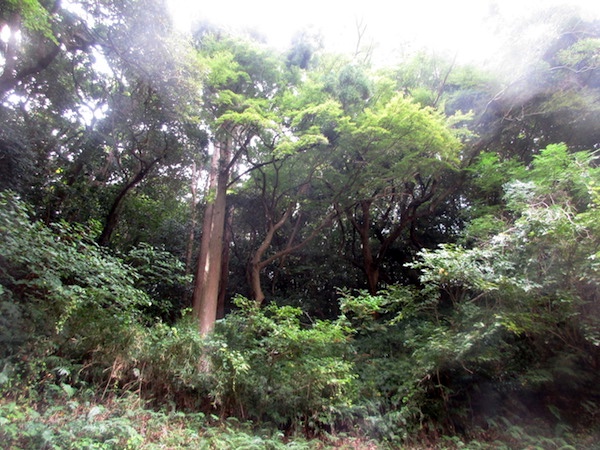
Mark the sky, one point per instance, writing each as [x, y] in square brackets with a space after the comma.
[470, 30]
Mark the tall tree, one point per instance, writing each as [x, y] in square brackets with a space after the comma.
[296, 192]
[241, 84]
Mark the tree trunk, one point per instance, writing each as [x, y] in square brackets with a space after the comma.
[209, 195]
[370, 263]
[112, 219]
[227, 238]
[189, 251]
[208, 276]
[256, 264]
[370, 266]
[254, 269]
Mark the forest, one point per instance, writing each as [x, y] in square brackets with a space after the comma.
[209, 243]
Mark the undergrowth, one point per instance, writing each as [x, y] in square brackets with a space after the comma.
[89, 360]
[84, 422]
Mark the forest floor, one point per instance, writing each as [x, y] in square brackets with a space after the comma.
[72, 421]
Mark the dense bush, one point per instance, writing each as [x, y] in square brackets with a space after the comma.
[81, 424]
[269, 366]
[73, 309]
[506, 329]
[67, 302]
[260, 364]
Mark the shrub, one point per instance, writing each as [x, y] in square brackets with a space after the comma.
[67, 300]
[269, 367]
[164, 363]
[259, 364]
[507, 328]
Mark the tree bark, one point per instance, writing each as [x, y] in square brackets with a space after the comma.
[112, 218]
[371, 261]
[256, 265]
[189, 251]
[371, 265]
[227, 238]
[208, 275]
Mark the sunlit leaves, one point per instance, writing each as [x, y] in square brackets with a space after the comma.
[35, 17]
[489, 173]
[564, 175]
[317, 114]
[520, 303]
[542, 258]
[450, 266]
[292, 146]
[582, 56]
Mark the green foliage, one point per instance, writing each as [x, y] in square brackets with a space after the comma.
[88, 427]
[268, 366]
[490, 173]
[161, 276]
[360, 312]
[35, 17]
[351, 85]
[583, 55]
[526, 291]
[503, 328]
[459, 271]
[408, 132]
[403, 362]
[165, 362]
[64, 295]
[81, 423]
[259, 364]
[122, 424]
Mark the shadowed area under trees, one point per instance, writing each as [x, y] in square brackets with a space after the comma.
[209, 243]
